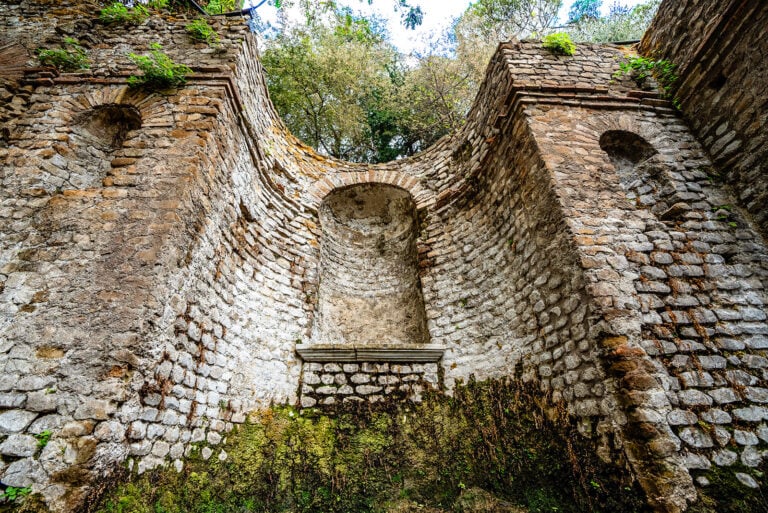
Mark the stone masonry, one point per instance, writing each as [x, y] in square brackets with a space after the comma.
[721, 88]
[171, 261]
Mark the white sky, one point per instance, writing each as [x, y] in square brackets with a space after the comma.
[438, 15]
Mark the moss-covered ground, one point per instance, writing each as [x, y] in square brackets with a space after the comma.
[491, 447]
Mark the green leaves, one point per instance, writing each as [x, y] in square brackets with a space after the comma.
[640, 68]
[70, 57]
[559, 43]
[43, 438]
[117, 13]
[222, 6]
[12, 493]
[199, 30]
[159, 70]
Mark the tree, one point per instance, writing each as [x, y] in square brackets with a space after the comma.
[343, 88]
[581, 9]
[501, 20]
[622, 24]
[321, 76]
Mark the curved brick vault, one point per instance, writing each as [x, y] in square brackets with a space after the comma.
[155, 289]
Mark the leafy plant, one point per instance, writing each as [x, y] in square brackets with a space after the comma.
[71, 57]
[199, 30]
[559, 43]
[159, 70]
[12, 493]
[117, 13]
[157, 4]
[43, 437]
[222, 6]
[640, 68]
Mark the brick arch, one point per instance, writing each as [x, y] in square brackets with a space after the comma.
[321, 188]
[647, 129]
[154, 109]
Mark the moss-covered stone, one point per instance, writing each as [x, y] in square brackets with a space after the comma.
[491, 447]
[725, 493]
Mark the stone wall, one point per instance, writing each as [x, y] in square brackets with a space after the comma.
[167, 261]
[719, 48]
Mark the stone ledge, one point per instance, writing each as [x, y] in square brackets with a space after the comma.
[412, 354]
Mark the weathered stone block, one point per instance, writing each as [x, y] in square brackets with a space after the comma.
[15, 421]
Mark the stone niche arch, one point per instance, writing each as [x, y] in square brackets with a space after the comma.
[626, 151]
[641, 171]
[106, 126]
[96, 134]
[369, 294]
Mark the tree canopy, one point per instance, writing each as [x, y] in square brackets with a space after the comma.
[343, 87]
[621, 24]
[582, 9]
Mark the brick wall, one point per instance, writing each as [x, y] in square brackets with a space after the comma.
[153, 288]
[718, 48]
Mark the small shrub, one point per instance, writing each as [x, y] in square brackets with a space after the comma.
[43, 438]
[199, 30]
[71, 57]
[157, 4]
[117, 13]
[160, 72]
[559, 43]
[12, 493]
[221, 6]
[640, 68]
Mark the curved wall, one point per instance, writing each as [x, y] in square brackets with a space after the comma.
[158, 300]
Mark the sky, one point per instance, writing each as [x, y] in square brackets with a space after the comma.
[438, 15]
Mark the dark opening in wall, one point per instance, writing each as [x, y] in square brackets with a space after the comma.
[107, 125]
[718, 82]
[369, 292]
[642, 173]
[627, 151]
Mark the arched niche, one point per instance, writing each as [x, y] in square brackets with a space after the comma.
[106, 126]
[642, 173]
[626, 150]
[369, 293]
[96, 134]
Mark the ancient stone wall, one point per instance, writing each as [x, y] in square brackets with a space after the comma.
[170, 261]
[719, 49]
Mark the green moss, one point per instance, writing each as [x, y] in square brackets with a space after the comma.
[726, 494]
[490, 446]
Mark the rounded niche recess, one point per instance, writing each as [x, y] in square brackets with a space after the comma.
[369, 293]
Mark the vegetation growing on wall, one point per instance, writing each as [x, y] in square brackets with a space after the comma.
[70, 57]
[159, 71]
[640, 69]
[493, 443]
[559, 43]
[199, 30]
[118, 13]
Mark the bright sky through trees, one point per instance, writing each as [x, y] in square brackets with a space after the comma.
[438, 15]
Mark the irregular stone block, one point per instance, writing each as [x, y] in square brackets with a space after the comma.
[14, 421]
[20, 446]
